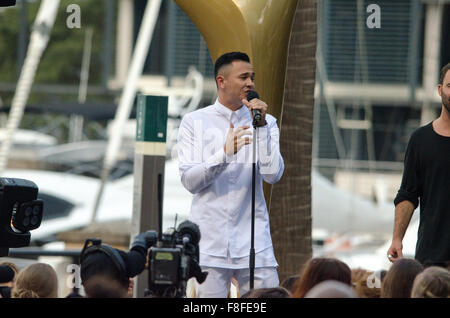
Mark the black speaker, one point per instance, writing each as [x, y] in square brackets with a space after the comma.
[20, 212]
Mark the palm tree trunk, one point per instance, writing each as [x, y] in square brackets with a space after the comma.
[290, 204]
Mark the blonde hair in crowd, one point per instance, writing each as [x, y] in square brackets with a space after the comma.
[360, 277]
[38, 280]
[433, 282]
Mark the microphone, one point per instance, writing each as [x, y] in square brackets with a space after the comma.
[190, 231]
[256, 113]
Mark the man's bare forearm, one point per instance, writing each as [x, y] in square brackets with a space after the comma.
[403, 213]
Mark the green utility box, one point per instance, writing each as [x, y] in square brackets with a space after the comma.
[151, 118]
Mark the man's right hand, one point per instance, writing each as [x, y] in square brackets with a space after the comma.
[403, 213]
[394, 252]
[235, 141]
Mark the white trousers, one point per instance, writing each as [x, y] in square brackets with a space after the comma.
[218, 281]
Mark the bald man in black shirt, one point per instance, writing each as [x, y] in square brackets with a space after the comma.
[426, 180]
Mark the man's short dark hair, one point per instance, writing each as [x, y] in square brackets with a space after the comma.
[444, 71]
[228, 58]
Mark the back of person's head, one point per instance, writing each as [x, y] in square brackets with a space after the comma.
[227, 59]
[433, 282]
[367, 284]
[101, 261]
[271, 292]
[103, 287]
[331, 289]
[37, 280]
[320, 269]
[6, 281]
[13, 266]
[6, 275]
[400, 277]
[358, 273]
[289, 282]
[382, 274]
[100, 265]
[74, 294]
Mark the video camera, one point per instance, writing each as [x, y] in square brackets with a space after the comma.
[173, 260]
[20, 212]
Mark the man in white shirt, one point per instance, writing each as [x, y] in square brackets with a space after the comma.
[215, 155]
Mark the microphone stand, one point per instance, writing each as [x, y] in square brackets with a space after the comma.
[252, 242]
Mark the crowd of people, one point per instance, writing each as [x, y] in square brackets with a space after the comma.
[332, 278]
[320, 277]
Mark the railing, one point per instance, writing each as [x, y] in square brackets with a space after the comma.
[36, 252]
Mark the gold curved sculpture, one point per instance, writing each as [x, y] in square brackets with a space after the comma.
[260, 28]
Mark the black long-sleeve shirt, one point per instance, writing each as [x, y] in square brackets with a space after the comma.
[426, 180]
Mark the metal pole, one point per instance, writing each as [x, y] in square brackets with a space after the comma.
[107, 41]
[322, 75]
[413, 49]
[432, 40]
[22, 42]
[171, 35]
[76, 121]
[252, 240]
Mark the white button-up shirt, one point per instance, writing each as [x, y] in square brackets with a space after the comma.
[222, 185]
